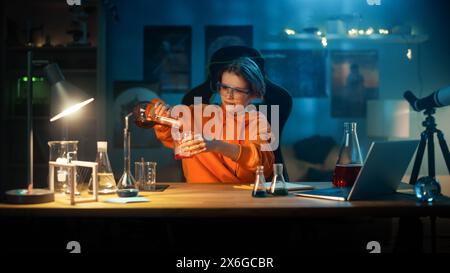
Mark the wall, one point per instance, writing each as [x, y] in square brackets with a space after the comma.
[428, 70]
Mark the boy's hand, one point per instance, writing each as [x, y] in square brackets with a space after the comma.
[197, 144]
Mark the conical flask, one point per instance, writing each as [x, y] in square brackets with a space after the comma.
[278, 186]
[259, 188]
[349, 162]
[105, 176]
[127, 184]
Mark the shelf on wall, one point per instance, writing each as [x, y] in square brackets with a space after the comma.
[54, 49]
[277, 41]
[390, 38]
[70, 59]
[39, 72]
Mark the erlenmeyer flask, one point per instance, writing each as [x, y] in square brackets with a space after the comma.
[106, 181]
[259, 188]
[349, 162]
[127, 184]
[278, 186]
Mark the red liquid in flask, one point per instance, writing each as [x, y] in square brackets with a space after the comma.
[345, 175]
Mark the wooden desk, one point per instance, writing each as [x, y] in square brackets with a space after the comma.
[185, 216]
[182, 200]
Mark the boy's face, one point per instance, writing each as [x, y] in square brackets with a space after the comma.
[234, 90]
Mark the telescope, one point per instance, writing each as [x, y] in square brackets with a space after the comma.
[439, 98]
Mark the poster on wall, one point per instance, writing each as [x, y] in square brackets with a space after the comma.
[167, 57]
[301, 72]
[355, 80]
[217, 37]
[127, 94]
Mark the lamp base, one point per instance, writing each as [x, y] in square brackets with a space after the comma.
[22, 196]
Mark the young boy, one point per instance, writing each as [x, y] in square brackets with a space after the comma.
[231, 158]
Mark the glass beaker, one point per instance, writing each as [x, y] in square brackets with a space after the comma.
[145, 175]
[180, 153]
[350, 161]
[105, 176]
[63, 152]
[259, 188]
[278, 186]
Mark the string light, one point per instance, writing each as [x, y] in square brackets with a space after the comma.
[369, 31]
[353, 32]
[289, 31]
[409, 54]
[324, 42]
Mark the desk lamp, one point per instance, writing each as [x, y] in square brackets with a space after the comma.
[70, 99]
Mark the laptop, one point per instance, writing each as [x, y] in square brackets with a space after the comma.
[381, 174]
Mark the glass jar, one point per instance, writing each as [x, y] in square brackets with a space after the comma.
[63, 152]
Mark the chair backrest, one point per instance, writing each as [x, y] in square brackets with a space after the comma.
[275, 94]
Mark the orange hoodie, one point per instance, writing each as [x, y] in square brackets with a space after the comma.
[210, 167]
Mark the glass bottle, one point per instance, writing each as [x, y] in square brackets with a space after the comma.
[105, 176]
[278, 186]
[259, 188]
[349, 162]
[127, 184]
[145, 116]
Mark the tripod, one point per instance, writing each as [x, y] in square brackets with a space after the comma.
[428, 135]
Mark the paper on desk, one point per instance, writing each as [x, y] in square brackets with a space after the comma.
[406, 188]
[290, 186]
[124, 200]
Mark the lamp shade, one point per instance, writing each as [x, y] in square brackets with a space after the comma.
[66, 98]
[388, 118]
